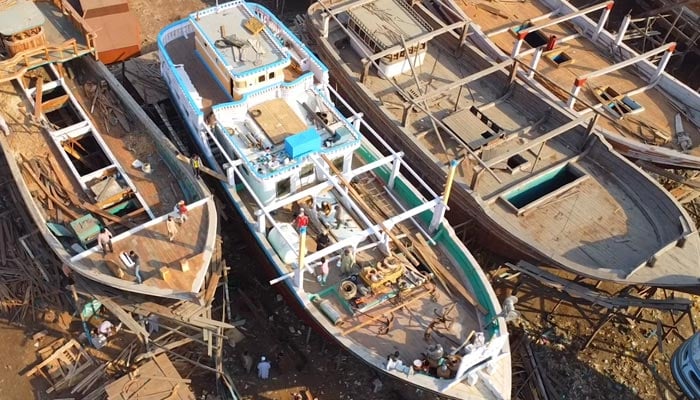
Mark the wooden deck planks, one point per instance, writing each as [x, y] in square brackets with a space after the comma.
[156, 252]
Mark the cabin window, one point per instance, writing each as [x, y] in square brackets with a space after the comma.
[283, 187]
[339, 162]
[261, 78]
[307, 170]
[271, 75]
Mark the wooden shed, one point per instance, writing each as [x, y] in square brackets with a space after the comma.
[117, 28]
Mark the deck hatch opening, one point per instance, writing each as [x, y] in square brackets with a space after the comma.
[536, 39]
[61, 113]
[85, 154]
[544, 187]
[516, 162]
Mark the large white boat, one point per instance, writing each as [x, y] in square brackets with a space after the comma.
[398, 282]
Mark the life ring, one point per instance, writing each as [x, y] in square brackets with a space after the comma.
[348, 290]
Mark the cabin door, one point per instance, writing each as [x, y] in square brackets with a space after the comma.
[307, 175]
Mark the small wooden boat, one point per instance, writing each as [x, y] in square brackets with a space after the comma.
[83, 163]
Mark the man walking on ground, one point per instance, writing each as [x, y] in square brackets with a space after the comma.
[104, 239]
[263, 368]
[172, 227]
[196, 163]
[247, 362]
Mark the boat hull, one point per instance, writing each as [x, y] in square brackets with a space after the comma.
[464, 204]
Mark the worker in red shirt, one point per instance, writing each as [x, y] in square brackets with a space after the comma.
[302, 220]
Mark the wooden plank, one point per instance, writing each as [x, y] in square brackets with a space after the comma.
[124, 317]
[457, 286]
[53, 104]
[203, 168]
[373, 318]
[358, 198]
[429, 259]
[38, 94]
[69, 212]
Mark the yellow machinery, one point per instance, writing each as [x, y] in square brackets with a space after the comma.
[387, 271]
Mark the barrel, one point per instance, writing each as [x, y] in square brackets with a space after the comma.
[329, 311]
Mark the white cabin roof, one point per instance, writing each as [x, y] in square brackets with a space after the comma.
[227, 30]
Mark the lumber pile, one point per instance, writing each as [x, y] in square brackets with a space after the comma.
[63, 363]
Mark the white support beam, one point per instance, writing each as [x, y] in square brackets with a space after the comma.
[670, 47]
[347, 7]
[603, 19]
[383, 142]
[663, 63]
[623, 29]
[320, 166]
[535, 61]
[524, 32]
[498, 31]
[361, 236]
[540, 139]
[396, 157]
[440, 91]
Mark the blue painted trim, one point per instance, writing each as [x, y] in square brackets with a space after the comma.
[216, 79]
[171, 65]
[198, 27]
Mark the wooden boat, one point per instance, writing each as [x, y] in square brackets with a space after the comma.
[80, 171]
[535, 178]
[258, 104]
[652, 116]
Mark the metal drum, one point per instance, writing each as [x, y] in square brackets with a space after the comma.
[329, 311]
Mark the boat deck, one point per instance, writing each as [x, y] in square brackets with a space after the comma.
[563, 225]
[182, 51]
[399, 323]
[161, 259]
[159, 189]
[653, 125]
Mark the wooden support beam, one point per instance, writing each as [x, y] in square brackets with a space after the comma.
[38, 94]
[69, 212]
[53, 104]
[534, 142]
[124, 317]
[373, 318]
[378, 220]
[203, 168]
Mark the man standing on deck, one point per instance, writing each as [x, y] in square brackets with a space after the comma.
[104, 239]
[137, 265]
[172, 227]
[347, 262]
[196, 162]
[302, 220]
